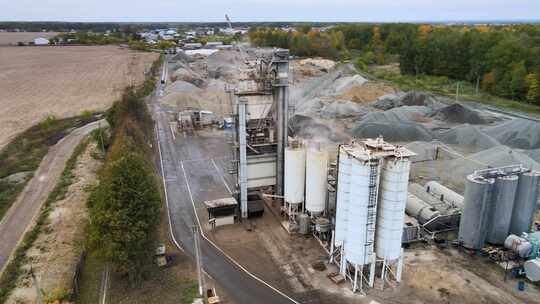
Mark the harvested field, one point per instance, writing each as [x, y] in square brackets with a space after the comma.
[14, 38]
[37, 82]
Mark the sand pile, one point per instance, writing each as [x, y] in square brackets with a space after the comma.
[368, 92]
[401, 114]
[517, 133]
[393, 132]
[181, 86]
[319, 63]
[343, 109]
[469, 137]
[458, 113]
[187, 75]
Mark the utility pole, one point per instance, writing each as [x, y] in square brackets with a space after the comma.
[198, 260]
[457, 91]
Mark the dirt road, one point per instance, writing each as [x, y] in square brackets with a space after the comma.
[20, 216]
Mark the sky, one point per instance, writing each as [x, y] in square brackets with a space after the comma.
[268, 10]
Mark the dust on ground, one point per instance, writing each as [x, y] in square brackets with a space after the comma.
[37, 82]
[13, 38]
[58, 248]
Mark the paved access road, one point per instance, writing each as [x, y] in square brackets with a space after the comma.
[193, 168]
[21, 214]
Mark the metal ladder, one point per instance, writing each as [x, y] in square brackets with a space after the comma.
[372, 207]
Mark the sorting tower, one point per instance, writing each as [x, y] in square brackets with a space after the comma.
[371, 196]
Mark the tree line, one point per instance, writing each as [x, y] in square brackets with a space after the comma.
[124, 207]
[503, 60]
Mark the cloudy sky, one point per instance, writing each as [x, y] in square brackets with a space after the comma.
[268, 10]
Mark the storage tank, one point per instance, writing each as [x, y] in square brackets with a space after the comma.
[420, 192]
[295, 174]
[476, 212]
[359, 244]
[443, 193]
[525, 203]
[502, 203]
[316, 180]
[391, 207]
[419, 209]
[342, 196]
[520, 246]
[303, 223]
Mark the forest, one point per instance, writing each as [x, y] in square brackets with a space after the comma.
[503, 60]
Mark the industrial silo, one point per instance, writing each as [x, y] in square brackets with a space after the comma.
[295, 174]
[359, 239]
[342, 196]
[444, 194]
[419, 209]
[391, 207]
[476, 212]
[316, 180]
[525, 203]
[502, 203]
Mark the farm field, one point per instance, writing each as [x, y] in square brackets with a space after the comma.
[8, 38]
[37, 82]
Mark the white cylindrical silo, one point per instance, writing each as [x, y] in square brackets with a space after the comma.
[391, 207]
[358, 248]
[444, 194]
[316, 180]
[342, 197]
[295, 174]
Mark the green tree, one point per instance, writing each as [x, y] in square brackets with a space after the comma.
[533, 88]
[124, 211]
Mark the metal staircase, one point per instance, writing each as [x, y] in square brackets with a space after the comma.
[371, 208]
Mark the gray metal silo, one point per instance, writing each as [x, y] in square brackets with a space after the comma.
[476, 211]
[525, 203]
[502, 204]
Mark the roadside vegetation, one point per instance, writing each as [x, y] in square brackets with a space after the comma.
[21, 157]
[500, 61]
[14, 269]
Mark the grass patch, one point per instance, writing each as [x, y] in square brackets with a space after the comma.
[13, 269]
[25, 152]
[445, 86]
[190, 292]
[90, 279]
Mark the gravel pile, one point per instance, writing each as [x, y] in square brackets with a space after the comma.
[182, 57]
[224, 64]
[517, 133]
[495, 157]
[413, 98]
[468, 136]
[343, 109]
[458, 113]
[186, 74]
[309, 128]
[534, 154]
[401, 114]
[344, 84]
[181, 86]
[393, 132]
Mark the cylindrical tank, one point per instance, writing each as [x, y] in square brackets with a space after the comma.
[359, 240]
[476, 212]
[419, 209]
[420, 192]
[444, 194]
[316, 177]
[303, 223]
[391, 207]
[342, 197]
[525, 203]
[502, 203]
[295, 174]
[520, 246]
